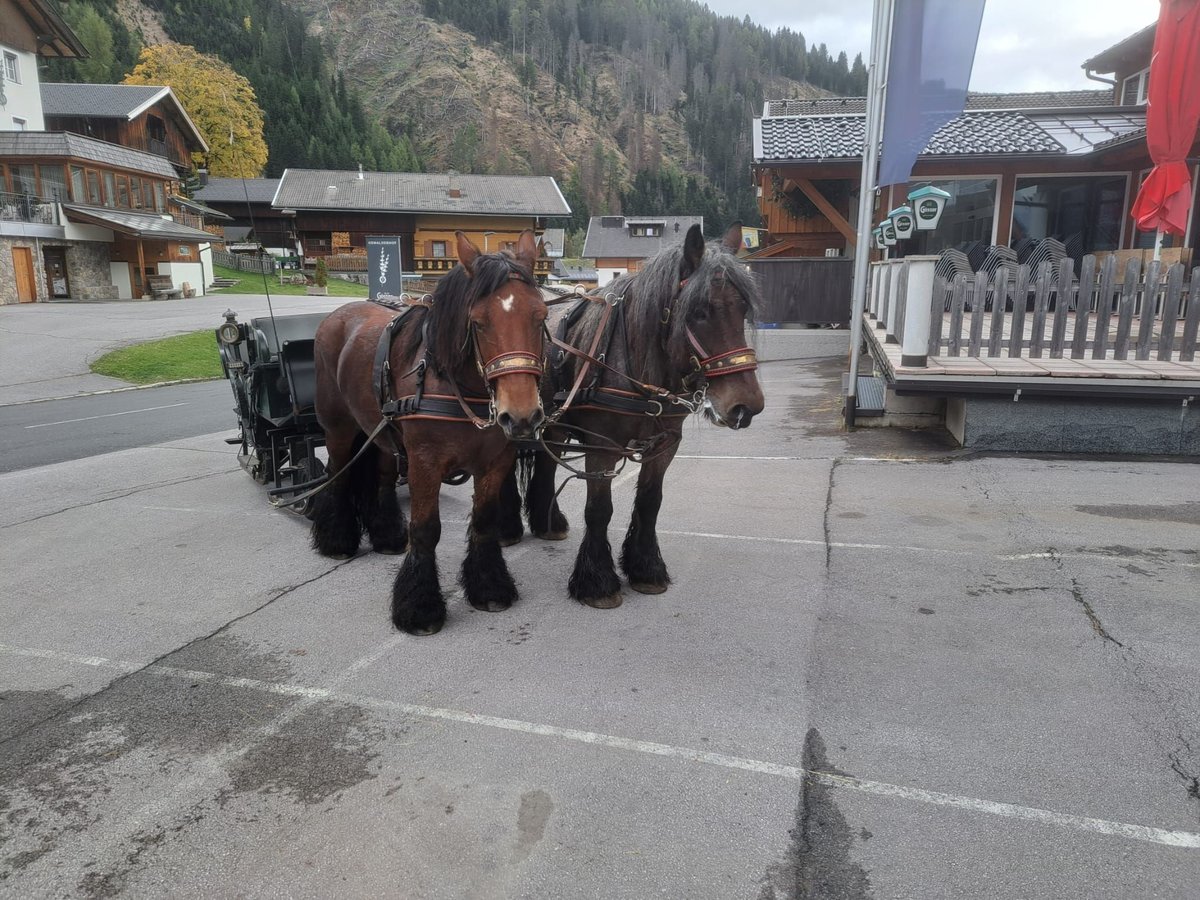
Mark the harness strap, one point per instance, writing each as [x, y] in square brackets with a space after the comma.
[740, 359]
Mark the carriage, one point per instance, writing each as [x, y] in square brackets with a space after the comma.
[269, 364]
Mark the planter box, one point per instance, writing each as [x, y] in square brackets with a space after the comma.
[314, 291]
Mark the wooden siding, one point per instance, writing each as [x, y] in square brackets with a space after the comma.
[803, 291]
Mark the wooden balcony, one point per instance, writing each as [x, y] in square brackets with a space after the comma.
[439, 265]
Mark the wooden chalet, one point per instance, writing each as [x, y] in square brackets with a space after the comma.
[143, 117]
[254, 224]
[620, 244]
[333, 212]
[82, 217]
[1019, 167]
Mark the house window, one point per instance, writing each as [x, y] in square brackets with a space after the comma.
[1084, 212]
[54, 182]
[437, 249]
[967, 219]
[18, 124]
[148, 194]
[645, 230]
[135, 193]
[1135, 88]
[93, 188]
[122, 192]
[77, 191]
[159, 197]
[23, 180]
[12, 69]
[110, 189]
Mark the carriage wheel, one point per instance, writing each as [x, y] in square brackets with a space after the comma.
[310, 470]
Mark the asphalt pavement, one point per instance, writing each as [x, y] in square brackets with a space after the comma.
[885, 669]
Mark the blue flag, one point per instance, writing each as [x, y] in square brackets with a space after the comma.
[932, 51]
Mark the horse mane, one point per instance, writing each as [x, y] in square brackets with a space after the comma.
[647, 291]
[449, 314]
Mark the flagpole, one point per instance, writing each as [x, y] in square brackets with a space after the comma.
[881, 24]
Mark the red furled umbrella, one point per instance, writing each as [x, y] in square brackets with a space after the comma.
[1172, 115]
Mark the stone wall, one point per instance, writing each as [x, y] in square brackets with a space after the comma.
[8, 271]
[88, 270]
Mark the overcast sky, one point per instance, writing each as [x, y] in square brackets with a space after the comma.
[1024, 45]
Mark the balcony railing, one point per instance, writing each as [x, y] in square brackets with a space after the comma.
[436, 265]
[423, 265]
[27, 208]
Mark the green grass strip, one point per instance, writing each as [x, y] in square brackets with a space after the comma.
[252, 283]
[169, 359]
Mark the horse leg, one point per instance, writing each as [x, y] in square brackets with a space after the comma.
[511, 528]
[641, 559]
[594, 581]
[417, 604]
[541, 507]
[485, 578]
[336, 528]
[383, 517]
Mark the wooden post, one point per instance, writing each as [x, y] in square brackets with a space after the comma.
[141, 268]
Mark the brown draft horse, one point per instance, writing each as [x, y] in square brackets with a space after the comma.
[473, 351]
[679, 325]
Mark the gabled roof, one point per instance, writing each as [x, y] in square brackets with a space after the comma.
[608, 237]
[420, 192]
[111, 101]
[554, 239]
[76, 146]
[232, 190]
[55, 37]
[197, 207]
[1133, 49]
[145, 225]
[989, 134]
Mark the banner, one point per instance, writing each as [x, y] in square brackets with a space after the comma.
[383, 266]
[932, 52]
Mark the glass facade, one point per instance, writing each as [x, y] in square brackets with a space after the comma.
[23, 180]
[54, 183]
[1084, 212]
[967, 218]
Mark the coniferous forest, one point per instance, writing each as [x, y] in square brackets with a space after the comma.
[626, 63]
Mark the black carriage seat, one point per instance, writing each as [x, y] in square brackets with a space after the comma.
[300, 369]
[273, 333]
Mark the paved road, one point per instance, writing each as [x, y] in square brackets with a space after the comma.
[885, 670]
[39, 434]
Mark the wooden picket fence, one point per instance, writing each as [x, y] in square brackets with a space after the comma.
[244, 262]
[1022, 314]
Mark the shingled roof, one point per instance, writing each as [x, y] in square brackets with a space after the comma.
[232, 190]
[146, 225]
[420, 192]
[76, 146]
[608, 237]
[1007, 133]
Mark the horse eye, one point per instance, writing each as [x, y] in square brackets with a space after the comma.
[700, 315]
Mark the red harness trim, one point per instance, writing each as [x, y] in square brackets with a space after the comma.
[513, 363]
[740, 359]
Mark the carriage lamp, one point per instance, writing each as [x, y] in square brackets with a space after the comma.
[877, 234]
[927, 203]
[889, 233]
[229, 332]
[902, 219]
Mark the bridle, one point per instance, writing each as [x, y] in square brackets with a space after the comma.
[706, 365]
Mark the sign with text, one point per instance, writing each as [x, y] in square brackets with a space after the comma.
[383, 266]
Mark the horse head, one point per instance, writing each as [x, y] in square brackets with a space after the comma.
[505, 321]
[707, 336]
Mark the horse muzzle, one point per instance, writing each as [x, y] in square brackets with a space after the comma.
[522, 428]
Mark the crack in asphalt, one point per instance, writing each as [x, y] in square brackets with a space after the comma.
[1097, 625]
[161, 658]
[825, 519]
[131, 493]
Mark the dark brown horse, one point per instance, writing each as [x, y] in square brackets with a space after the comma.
[458, 379]
[679, 335]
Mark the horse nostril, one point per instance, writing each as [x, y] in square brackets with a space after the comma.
[505, 421]
[537, 418]
[740, 416]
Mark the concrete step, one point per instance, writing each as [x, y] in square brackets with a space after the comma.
[869, 392]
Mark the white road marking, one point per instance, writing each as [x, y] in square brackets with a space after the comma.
[506, 303]
[128, 412]
[1180, 839]
[885, 459]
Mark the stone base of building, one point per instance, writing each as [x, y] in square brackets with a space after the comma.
[88, 269]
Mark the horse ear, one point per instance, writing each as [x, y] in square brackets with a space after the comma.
[467, 252]
[527, 248]
[732, 241]
[693, 252]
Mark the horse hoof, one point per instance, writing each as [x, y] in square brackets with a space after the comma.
[612, 601]
[425, 630]
[390, 551]
[645, 587]
[510, 541]
[338, 555]
[491, 605]
[551, 535]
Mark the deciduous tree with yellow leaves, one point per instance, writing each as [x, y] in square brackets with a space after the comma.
[219, 100]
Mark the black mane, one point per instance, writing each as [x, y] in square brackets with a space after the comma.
[448, 316]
